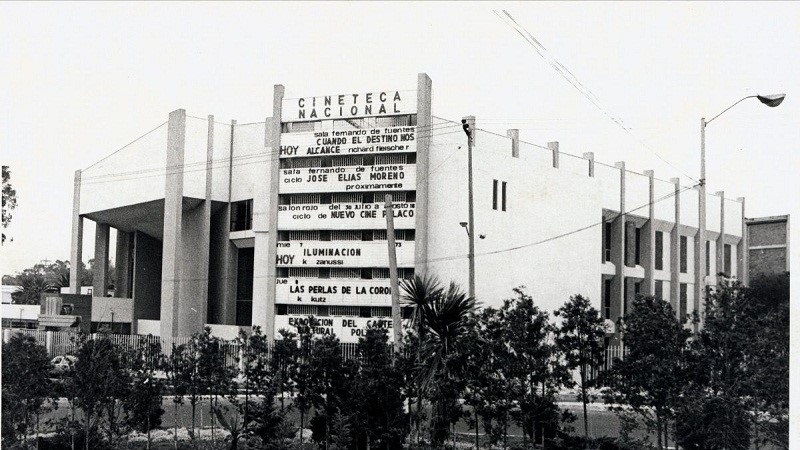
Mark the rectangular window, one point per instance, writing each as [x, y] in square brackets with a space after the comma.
[638, 250]
[659, 289]
[728, 260]
[708, 258]
[504, 195]
[684, 299]
[684, 257]
[606, 241]
[607, 299]
[242, 215]
[659, 250]
[494, 195]
[624, 297]
[637, 288]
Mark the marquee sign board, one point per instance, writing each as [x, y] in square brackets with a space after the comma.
[383, 177]
[349, 142]
[347, 106]
[343, 254]
[315, 291]
[347, 329]
[344, 216]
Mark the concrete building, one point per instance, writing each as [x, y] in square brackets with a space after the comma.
[767, 246]
[266, 223]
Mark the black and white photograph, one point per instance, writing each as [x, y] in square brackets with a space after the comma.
[399, 225]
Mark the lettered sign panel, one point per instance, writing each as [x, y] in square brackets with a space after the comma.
[384, 177]
[347, 329]
[344, 216]
[315, 291]
[349, 142]
[343, 254]
[346, 106]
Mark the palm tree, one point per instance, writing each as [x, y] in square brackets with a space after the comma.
[420, 291]
[446, 320]
[30, 289]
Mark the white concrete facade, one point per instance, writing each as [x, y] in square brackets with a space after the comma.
[266, 223]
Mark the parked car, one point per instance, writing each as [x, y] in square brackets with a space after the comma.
[62, 364]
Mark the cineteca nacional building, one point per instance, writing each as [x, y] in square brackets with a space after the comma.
[266, 223]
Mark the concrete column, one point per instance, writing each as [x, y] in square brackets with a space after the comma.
[675, 252]
[720, 256]
[173, 221]
[649, 239]
[589, 156]
[553, 146]
[514, 135]
[76, 250]
[424, 122]
[123, 263]
[630, 244]
[742, 256]
[101, 246]
[700, 255]
[618, 250]
[265, 226]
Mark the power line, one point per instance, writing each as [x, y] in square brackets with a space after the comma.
[577, 84]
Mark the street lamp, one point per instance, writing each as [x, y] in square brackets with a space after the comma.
[700, 256]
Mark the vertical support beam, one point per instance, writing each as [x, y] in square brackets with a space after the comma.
[173, 220]
[514, 135]
[424, 123]
[720, 253]
[553, 146]
[265, 226]
[618, 249]
[101, 247]
[76, 250]
[649, 238]
[742, 250]
[589, 156]
[123, 266]
[675, 252]
[700, 238]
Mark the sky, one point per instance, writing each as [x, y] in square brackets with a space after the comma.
[80, 80]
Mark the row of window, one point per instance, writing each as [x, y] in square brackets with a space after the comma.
[659, 250]
[341, 311]
[659, 293]
[346, 197]
[405, 120]
[502, 197]
[348, 160]
[344, 235]
[363, 273]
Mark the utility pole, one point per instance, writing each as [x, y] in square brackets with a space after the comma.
[468, 123]
[396, 324]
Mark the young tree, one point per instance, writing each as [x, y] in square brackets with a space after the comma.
[377, 400]
[27, 391]
[650, 378]
[101, 380]
[303, 374]
[580, 341]
[284, 358]
[143, 404]
[214, 375]
[259, 415]
[179, 370]
[535, 366]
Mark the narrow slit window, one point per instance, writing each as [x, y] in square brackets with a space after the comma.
[494, 195]
[504, 195]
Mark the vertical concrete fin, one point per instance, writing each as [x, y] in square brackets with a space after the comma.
[514, 135]
[424, 123]
[720, 250]
[649, 237]
[265, 203]
[742, 251]
[674, 251]
[589, 156]
[101, 249]
[618, 249]
[76, 249]
[173, 219]
[553, 146]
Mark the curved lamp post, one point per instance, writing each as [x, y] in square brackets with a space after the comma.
[699, 247]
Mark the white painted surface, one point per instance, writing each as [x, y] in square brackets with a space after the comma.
[20, 312]
[343, 254]
[383, 177]
[344, 216]
[315, 291]
[349, 142]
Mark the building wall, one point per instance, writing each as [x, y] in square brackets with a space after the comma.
[768, 245]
